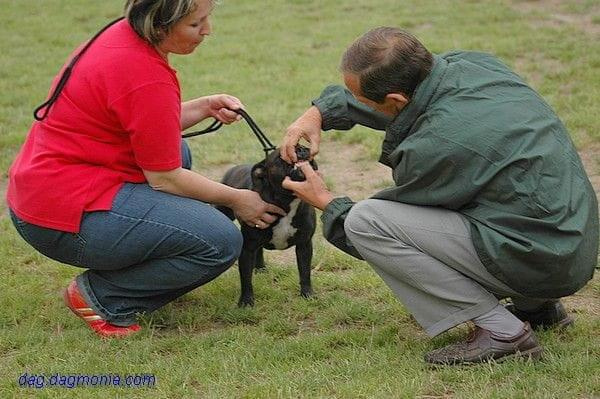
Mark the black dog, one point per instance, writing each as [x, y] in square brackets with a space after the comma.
[296, 228]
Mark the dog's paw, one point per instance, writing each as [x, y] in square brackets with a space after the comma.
[260, 269]
[245, 302]
[307, 292]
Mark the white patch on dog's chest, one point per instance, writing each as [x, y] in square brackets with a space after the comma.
[284, 229]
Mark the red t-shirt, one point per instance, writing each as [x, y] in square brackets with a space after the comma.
[118, 114]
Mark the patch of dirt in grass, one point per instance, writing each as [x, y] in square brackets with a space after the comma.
[584, 302]
[590, 157]
[349, 172]
[554, 14]
[535, 67]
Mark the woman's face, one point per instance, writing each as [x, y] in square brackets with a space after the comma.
[189, 32]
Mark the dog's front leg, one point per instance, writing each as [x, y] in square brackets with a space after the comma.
[304, 253]
[246, 265]
[259, 262]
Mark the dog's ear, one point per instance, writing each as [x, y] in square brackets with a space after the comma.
[258, 174]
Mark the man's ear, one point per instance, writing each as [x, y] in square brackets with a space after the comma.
[398, 99]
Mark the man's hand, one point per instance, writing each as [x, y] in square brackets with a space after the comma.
[308, 127]
[313, 190]
[253, 211]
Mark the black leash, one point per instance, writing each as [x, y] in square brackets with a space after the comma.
[216, 125]
[66, 74]
[264, 141]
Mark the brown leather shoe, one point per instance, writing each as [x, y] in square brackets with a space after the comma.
[482, 346]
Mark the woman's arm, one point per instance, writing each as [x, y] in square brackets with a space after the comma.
[246, 204]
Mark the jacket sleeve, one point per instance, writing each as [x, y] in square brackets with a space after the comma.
[333, 219]
[341, 111]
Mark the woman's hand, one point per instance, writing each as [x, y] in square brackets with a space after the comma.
[220, 107]
[313, 190]
[246, 204]
[308, 127]
[252, 210]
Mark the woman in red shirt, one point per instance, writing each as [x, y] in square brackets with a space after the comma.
[103, 182]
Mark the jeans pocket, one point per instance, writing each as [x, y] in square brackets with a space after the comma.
[55, 244]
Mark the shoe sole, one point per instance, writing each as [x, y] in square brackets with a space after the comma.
[533, 354]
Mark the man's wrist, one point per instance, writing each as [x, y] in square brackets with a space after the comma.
[315, 114]
[324, 200]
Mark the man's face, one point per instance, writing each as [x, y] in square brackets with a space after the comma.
[389, 107]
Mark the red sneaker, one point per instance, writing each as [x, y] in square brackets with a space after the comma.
[77, 304]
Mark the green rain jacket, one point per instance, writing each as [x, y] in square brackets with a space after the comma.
[477, 140]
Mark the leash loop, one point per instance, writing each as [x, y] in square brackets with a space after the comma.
[262, 138]
[216, 125]
[41, 112]
[65, 76]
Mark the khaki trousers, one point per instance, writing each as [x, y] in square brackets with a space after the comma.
[426, 256]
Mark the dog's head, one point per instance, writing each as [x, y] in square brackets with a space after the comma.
[270, 173]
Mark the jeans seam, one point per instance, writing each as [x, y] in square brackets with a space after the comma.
[19, 224]
[81, 242]
[169, 226]
[80, 248]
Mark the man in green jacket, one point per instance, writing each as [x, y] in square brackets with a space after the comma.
[491, 200]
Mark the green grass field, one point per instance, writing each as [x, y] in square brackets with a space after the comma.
[354, 339]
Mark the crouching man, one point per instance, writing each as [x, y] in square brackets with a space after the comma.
[490, 201]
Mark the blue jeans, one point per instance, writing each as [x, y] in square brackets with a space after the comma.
[148, 250]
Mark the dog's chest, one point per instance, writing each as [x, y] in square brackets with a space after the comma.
[284, 229]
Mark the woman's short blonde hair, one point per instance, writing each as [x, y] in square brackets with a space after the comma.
[153, 19]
